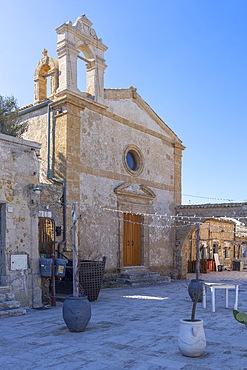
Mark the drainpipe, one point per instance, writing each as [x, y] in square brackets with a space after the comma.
[63, 182]
[48, 103]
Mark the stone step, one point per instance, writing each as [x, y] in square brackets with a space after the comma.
[6, 305]
[145, 280]
[4, 289]
[12, 312]
[138, 275]
[134, 269]
[7, 296]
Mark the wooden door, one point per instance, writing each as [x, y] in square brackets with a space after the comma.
[132, 240]
[46, 237]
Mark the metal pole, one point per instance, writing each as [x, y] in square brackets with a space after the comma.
[53, 283]
[198, 252]
[75, 248]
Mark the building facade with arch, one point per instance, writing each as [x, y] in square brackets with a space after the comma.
[109, 152]
[223, 230]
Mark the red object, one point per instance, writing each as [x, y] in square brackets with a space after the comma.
[210, 265]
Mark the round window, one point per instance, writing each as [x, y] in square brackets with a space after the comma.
[133, 160]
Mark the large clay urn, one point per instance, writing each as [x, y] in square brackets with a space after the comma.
[76, 313]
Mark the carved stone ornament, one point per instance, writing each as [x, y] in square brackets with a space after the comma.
[128, 189]
[82, 23]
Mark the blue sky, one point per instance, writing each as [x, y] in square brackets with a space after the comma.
[187, 59]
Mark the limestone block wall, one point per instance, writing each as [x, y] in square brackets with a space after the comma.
[87, 144]
[103, 141]
[101, 219]
[19, 208]
[37, 120]
[101, 163]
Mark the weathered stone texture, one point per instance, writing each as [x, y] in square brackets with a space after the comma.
[19, 211]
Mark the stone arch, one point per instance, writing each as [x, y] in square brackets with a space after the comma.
[47, 67]
[73, 38]
[183, 248]
[86, 60]
[217, 233]
[86, 50]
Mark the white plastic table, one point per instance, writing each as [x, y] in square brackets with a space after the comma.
[214, 286]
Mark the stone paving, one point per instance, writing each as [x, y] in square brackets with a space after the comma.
[130, 328]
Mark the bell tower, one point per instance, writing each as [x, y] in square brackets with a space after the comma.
[73, 39]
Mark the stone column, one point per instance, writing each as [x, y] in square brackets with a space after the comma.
[95, 78]
[67, 57]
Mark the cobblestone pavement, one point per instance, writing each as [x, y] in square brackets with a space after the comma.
[130, 328]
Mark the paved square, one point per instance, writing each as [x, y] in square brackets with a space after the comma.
[130, 328]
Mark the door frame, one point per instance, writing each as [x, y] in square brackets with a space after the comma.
[135, 199]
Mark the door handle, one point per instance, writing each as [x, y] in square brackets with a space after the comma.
[132, 243]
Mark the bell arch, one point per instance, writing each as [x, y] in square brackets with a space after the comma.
[73, 39]
[46, 68]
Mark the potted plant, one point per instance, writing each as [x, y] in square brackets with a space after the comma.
[240, 317]
[192, 340]
[76, 308]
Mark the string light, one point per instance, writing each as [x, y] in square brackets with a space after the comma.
[212, 198]
[176, 221]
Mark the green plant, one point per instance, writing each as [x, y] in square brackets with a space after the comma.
[9, 124]
[240, 317]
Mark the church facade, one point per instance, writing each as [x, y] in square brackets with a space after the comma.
[109, 152]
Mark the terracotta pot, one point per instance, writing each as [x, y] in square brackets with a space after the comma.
[76, 313]
[191, 341]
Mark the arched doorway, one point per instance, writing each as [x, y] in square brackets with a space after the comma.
[220, 243]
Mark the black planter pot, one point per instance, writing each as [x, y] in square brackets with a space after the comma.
[195, 289]
[76, 313]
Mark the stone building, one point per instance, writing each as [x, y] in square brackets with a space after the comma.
[217, 236]
[19, 212]
[108, 151]
[223, 230]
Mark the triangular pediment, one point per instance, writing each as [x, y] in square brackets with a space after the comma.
[128, 189]
[129, 104]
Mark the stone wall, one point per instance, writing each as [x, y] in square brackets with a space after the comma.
[88, 144]
[19, 206]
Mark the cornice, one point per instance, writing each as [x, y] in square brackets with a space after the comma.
[211, 205]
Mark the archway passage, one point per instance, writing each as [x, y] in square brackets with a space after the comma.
[189, 215]
[132, 240]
